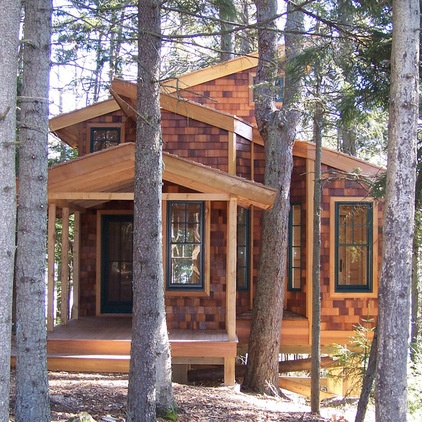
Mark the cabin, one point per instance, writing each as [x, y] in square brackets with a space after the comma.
[213, 198]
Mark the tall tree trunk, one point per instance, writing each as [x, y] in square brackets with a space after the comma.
[149, 333]
[227, 11]
[346, 130]
[396, 271]
[278, 129]
[316, 255]
[9, 30]
[32, 398]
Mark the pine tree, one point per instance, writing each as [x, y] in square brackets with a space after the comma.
[9, 30]
[32, 397]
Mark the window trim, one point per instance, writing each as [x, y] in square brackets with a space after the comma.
[290, 267]
[204, 289]
[276, 83]
[91, 126]
[373, 282]
[248, 251]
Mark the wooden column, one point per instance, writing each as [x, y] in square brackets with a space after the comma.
[229, 362]
[76, 264]
[50, 265]
[231, 153]
[64, 274]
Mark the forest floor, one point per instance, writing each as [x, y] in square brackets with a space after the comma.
[103, 396]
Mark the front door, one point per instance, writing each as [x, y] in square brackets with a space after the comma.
[116, 260]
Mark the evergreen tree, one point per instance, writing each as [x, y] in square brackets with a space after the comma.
[32, 397]
[150, 390]
[9, 30]
[395, 279]
[278, 130]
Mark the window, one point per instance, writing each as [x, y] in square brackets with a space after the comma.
[353, 246]
[295, 248]
[104, 137]
[279, 91]
[185, 245]
[243, 253]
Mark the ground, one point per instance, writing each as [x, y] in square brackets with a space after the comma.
[103, 396]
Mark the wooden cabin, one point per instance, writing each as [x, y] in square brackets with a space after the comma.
[213, 199]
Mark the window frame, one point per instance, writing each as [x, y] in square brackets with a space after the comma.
[371, 288]
[278, 82]
[247, 245]
[104, 126]
[203, 286]
[291, 247]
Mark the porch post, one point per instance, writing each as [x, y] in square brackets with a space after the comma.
[50, 265]
[231, 153]
[64, 274]
[229, 362]
[76, 263]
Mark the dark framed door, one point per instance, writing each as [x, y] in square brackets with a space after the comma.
[116, 264]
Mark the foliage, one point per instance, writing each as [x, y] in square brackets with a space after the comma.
[414, 394]
[353, 357]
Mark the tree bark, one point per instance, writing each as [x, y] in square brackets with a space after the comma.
[150, 346]
[32, 397]
[396, 271]
[316, 255]
[9, 31]
[278, 129]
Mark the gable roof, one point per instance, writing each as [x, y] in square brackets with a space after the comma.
[108, 175]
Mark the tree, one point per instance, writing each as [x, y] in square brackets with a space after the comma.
[32, 398]
[395, 281]
[9, 30]
[316, 252]
[278, 130]
[150, 346]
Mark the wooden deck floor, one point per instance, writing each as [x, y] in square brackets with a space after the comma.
[120, 328]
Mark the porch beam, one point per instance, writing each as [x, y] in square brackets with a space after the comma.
[64, 273]
[50, 265]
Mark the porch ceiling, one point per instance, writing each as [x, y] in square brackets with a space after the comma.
[106, 175]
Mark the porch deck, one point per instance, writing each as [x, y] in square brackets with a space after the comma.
[103, 345]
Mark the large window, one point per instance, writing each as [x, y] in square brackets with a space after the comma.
[104, 137]
[295, 248]
[243, 245]
[278, 92]
[185, 245]
[353, 246]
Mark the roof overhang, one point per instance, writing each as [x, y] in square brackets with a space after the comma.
[108, 175]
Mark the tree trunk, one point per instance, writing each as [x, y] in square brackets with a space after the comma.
[150, 345]
[278, 129]
[32, 397]
[396, 271]
[316, 255]
[226, 11]
[9, 31]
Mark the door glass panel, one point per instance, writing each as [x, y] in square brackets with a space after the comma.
[117, 265]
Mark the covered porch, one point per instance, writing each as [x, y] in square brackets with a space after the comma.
[102, 342]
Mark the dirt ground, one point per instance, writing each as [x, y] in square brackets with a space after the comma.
[103, 396]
